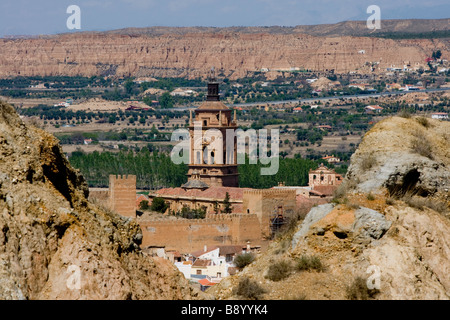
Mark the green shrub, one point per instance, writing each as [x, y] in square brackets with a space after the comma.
[244, 259]
[144, 205]
[159, 205]
[279, 270]
[306, 263]
[248, 289]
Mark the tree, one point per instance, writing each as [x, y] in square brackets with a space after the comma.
[159, 205]
[227, 208]
[216, 207]
[436, 54]
[144, 205]
[128, 85]
[166, 100]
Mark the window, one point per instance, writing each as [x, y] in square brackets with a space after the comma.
[205, 155]
[199, 271]
[219, 274]
[205, 123]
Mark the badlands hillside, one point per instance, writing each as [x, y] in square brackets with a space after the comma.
[385, 236]
[234, 52]
[54, 244]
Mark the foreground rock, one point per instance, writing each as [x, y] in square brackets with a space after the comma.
[54, 244]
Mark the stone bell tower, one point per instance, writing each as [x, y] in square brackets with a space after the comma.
[212, 160]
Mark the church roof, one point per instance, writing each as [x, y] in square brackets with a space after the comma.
[195, 184]
[213, 105]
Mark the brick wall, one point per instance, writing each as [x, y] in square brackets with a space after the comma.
[190, 235]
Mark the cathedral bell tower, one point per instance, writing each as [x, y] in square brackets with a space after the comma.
[212, 161]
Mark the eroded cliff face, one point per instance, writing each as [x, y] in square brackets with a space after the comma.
[233, 54]
[382, 225]
[54, 244]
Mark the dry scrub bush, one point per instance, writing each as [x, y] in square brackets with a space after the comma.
[420, 203]
[423, 121]
[404, 114]
[358, 290]
[422, 146]
[249, 289]
[368, 160]
[244, 259]
[279, 270]
[370, 196]
[306, 263]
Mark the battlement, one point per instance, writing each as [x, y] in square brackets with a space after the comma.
[268, 192]
[210, 219]
[128, 177]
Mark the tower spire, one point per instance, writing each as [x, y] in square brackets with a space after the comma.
[213, 87]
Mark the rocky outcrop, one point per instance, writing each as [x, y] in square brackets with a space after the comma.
[233, 54]
[404, 155]
[54, 244]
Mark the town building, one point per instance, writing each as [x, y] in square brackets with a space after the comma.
[331, 159]
[373, 109]
[439, 115]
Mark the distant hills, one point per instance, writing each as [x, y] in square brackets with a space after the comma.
[236, 52]
[405, 27]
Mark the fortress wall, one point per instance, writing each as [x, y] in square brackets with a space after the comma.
[190, 235]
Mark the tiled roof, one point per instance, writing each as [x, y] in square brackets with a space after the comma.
[224, 250]
[206, 283]
[213, 105]
[201, 263]
[195, 184]
[325, 190]
[198, 253]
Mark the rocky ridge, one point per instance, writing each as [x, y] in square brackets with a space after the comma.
[54, 244]
[233, 54]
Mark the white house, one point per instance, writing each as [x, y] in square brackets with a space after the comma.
[439, 115]
[373, 109]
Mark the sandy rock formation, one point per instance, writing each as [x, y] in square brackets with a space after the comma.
[233, 54]
[403, 155]
[54, 244]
